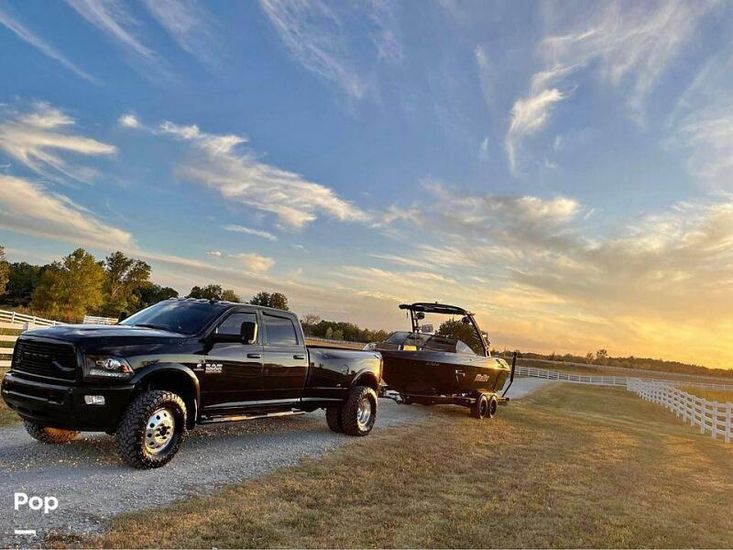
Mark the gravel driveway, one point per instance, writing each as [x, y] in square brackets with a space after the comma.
[92, 485]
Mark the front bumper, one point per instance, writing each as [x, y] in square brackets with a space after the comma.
[63, 406]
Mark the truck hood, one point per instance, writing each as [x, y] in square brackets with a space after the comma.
[102, 336]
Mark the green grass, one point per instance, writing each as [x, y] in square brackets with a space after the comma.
[569, 467]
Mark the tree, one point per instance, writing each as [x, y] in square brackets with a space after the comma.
[22, 280]
[151, 293]
[208, 292]
[589, 358]
[602, 357]
[124, 276]
[308, 322]
[70, 288]
[4, 271]
[213, 292]
[276, 300]
[229, 296]
[461, 331]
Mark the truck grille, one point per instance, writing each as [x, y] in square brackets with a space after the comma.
[45, 359]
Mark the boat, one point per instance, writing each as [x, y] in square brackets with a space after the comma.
[421, 366]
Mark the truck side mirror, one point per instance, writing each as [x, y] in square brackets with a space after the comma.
[249, 332]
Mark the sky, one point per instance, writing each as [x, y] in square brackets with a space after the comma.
[563, 169]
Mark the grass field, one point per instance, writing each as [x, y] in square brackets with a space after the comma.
[569, 467]
[721, 396]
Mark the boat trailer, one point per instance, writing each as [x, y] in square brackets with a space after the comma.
[482, 405]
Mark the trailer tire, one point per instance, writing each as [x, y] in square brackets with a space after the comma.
[493, 406]
[480, 408]
[49, 436]
[333, 418]
[151, 430]
[359, 412]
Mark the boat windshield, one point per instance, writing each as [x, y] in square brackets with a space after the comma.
[432, 342]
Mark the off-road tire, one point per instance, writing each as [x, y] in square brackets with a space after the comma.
[350, 420]
[493, 406]
[130, 435]
[50, 436]
[333, 418]
[480, 408]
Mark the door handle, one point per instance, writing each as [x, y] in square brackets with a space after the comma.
[299, 356]
[254, 355]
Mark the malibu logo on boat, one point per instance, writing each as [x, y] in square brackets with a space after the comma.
[481, 378]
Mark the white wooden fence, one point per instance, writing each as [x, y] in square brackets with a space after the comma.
[622, 381]
[92, 320]
[548, 374]
[710, 416]
[21, 318]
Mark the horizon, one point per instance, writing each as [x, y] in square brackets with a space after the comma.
[558, 168]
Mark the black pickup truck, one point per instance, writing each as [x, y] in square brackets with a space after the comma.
[180, 363]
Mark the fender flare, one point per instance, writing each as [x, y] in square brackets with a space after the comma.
[362, 376]
[156, 368]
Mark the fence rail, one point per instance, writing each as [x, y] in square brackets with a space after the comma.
[92, 320]
[710, 416]
[623, 381]
[548, 374]
[19, 318]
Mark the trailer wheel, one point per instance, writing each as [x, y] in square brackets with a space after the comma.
[152, 429]
[333, 418]
[480, 408]
[359, 412]
[493, 406]
[50, 436]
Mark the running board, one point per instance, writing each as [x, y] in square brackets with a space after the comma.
[240, 417]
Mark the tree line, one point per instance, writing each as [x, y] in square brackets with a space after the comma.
[79, 284]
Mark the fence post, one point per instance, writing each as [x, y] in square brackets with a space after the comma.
[727, 433]
[715, 420]
[702, 415]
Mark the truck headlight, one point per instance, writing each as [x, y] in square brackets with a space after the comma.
[101, 366]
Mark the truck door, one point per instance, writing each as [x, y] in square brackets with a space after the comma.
[232, 368]
[285, 363]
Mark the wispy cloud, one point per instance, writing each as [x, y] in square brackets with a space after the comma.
[113, 19]
[189, 24]
[28, 207]
[128, 121]
[314, 35]
[529, 116]
[708, 134]
[238, 175]
[251, 261]
[39, 139]
[249, 231]
[629, 44]
[22, 32]
[311, 31]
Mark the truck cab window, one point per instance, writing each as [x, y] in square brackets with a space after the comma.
[232, 325]
[280, 331]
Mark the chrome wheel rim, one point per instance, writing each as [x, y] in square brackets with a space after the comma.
[364, 413]
[159, 431]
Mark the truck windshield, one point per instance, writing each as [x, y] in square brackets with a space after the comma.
[175, 316]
